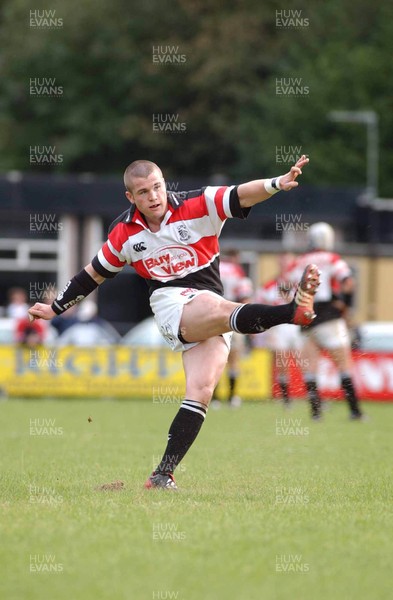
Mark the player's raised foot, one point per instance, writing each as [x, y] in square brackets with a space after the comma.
[160, 481]
[304, 297]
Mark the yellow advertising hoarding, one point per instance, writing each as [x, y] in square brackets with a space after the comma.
[114, 372]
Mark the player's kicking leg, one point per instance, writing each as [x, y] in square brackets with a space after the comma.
[203, 366]
[209, 315]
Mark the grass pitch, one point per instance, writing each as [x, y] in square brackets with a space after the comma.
[271, 507]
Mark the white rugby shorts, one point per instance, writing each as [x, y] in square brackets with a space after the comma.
[330, 335]
[284, 337]
[167, 305]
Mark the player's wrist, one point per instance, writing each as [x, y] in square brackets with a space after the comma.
[272, 186]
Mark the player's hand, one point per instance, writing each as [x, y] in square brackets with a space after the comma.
[41, 311]
[288, 181]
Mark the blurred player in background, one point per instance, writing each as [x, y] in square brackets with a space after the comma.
[284, 340]
[171, 240]
[328, 331]
[30, 334]
[237, 288]
[17, 303]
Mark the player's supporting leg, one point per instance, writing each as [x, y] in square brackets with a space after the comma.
[283, 372]
[351, 396]
[233, 375]
[233, 369]
[207, 315]
[310, 355]
[342, 359]
[313, 396]
[203, 366]
[282, 381]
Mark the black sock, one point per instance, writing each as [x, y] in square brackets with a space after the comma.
[232, 385]
[350, 395]
[255, 318]
[284, 390]
[182, 433]
[313, 396]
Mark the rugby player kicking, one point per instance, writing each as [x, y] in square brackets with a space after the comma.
[171, 239]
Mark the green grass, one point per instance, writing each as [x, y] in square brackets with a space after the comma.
[226, 525]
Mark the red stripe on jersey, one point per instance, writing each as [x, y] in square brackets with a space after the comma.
[206, 248]
[218, 201]
[121, 233]
[194, 208]
[137, 216]
[110, 257]
[335, 257]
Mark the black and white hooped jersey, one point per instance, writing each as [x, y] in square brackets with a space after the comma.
[184, 252]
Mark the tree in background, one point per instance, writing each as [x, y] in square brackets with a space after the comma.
[220, 86]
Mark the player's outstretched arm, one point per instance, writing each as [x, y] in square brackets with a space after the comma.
[256, 191]
[75, 291]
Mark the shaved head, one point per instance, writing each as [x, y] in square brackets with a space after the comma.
[139, 168]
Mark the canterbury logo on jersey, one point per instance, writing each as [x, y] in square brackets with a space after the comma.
[139, 247]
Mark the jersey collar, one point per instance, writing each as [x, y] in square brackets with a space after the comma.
[135, 216]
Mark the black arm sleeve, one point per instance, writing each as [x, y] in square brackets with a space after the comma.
[75, 290]
[234, 205]
[97, 266]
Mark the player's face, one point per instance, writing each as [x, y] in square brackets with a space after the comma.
[149, 196]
